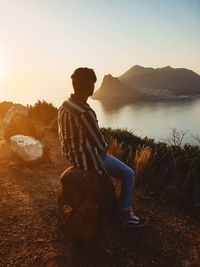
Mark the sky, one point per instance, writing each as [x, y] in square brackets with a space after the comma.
[43, 41]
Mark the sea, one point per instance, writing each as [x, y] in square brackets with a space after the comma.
[172, 121]
[161, 120]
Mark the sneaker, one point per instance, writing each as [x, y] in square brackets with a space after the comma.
[129, 219]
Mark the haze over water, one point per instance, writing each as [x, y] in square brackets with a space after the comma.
[151, 119]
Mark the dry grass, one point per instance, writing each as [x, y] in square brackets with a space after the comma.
[141, 159]
[115, 148]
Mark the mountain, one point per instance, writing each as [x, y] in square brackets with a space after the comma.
[141, 82]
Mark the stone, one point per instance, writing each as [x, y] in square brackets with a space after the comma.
[15, 109]
[28, 148]
[88, 204]
[19, 124]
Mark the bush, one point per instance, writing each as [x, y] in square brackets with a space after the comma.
[54, 125]
[4, 107]
[43, 112]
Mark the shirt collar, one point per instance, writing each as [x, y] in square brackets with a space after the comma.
[78, 100]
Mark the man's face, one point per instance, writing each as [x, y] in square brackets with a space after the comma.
[91, 88]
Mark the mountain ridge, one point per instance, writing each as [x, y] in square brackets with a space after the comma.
[142, 82]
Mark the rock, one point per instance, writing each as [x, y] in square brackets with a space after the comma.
[26, 147]
[87, 204]
[19, 124]
[15, 109]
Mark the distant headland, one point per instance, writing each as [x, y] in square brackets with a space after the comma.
[147, 83]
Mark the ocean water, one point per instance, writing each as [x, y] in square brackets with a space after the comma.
[154, 119]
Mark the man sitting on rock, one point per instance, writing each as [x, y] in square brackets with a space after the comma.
[84, 146]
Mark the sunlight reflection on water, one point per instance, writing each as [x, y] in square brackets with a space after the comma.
[152, 119]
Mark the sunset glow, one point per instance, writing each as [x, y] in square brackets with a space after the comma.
[3, 70]
[47, 40]
[99, 133]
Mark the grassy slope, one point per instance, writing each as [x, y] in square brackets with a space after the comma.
[28, 224]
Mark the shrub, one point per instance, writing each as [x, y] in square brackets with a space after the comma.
[43, 112]
[4, 107]
[54, 125]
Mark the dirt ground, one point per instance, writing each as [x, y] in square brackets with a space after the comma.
[29, 220]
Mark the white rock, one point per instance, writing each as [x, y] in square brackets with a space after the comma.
[28, 148]
[15, 109]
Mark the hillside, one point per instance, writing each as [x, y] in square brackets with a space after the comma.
[141, 82]
[29, 220]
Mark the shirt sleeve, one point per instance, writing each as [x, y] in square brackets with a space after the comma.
[62, 130]
[90, 123]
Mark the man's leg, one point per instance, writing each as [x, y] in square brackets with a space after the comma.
[118, 169]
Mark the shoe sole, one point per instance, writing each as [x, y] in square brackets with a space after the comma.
[136, 225]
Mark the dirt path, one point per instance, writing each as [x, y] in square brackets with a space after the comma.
[29, 217]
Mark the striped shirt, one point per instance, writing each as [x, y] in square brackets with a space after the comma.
[82, 142]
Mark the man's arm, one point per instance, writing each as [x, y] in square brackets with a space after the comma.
[90, 123]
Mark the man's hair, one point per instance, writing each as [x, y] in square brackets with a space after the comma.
[81, 77]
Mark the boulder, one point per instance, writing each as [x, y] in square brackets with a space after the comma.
[15, 109]
[19, 124]
[87, 204]
[27, 148]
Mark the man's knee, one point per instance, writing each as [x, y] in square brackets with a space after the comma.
[130, 175]
[131, 172]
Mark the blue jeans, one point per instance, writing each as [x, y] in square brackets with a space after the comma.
[119, 170]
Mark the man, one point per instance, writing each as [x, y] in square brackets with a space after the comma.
[83, 144]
